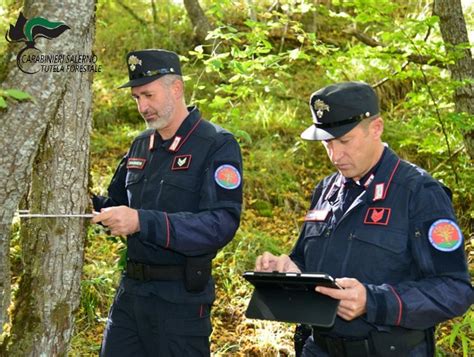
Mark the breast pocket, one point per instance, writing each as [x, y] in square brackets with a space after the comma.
[314, 229]
[315, 240]
[379, 255]
[179, 193]
[134, 185]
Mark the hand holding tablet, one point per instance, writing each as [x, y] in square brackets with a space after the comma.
[291, 297]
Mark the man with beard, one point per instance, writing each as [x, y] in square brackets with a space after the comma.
[177, 196]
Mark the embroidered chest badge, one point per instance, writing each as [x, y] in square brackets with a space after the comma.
[136, 163]
[377, 215]
[181, 162]
[317, 215]
[227, 176]
[445, 235]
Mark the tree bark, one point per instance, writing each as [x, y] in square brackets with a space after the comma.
[46, 143]
[454, 32]
[199, 20]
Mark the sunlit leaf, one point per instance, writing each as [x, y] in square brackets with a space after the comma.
[17, 94]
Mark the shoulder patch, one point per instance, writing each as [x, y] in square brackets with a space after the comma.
[227, 176]
[445, 235]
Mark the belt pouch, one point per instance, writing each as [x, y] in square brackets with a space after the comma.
[388, 345]
[197, 272]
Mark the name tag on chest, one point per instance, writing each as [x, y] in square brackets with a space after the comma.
[136, 163]
[316, 215]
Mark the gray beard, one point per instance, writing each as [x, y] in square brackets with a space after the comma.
[157, 124]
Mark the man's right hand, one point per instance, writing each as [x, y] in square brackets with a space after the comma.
[268, 262]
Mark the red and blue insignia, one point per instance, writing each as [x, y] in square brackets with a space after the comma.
[227, 176]
[377, 215]
[445, 235]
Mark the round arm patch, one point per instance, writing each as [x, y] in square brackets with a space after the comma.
[227, 176]
[445, 235]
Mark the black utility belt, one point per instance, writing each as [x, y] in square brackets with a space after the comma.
[195, 273]
[380, 344]
[147, 272]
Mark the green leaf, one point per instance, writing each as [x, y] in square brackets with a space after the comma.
[454, 334]
[235, 78]
[3, 103]
[293, 54]
[218, 102]
[244, 135]
[17, 94]
[465, 345]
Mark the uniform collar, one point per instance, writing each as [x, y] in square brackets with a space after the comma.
[187, 127]
[386, 164]
[378, 189]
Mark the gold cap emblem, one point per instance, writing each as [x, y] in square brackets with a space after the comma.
[133, 61]
[319, 106]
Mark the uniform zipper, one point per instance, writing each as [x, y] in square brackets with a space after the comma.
[145, 178]
[327, 236]
[424, 266]
[159, 192]
[348, 252]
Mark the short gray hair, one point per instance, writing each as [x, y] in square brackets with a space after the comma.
[169, 79]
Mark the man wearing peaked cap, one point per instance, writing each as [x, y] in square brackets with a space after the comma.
[338, 108]
[385, 229]
[148, 65]
[177, 196]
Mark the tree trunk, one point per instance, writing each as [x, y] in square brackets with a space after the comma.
[454, 32]
[200, 22]
[46, 143]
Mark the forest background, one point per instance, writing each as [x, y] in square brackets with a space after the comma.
[251, 66]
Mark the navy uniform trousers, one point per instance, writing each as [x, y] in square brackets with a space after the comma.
[150, 326]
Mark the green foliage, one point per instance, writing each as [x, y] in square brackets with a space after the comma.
[255, 80]
[12, 94]
[460, 337]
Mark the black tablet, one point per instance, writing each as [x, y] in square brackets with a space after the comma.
[291, 297]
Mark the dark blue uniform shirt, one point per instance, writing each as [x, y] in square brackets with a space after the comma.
[399, 237]
[188, 193]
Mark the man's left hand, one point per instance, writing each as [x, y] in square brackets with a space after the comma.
[353, 297]
[121, 220]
